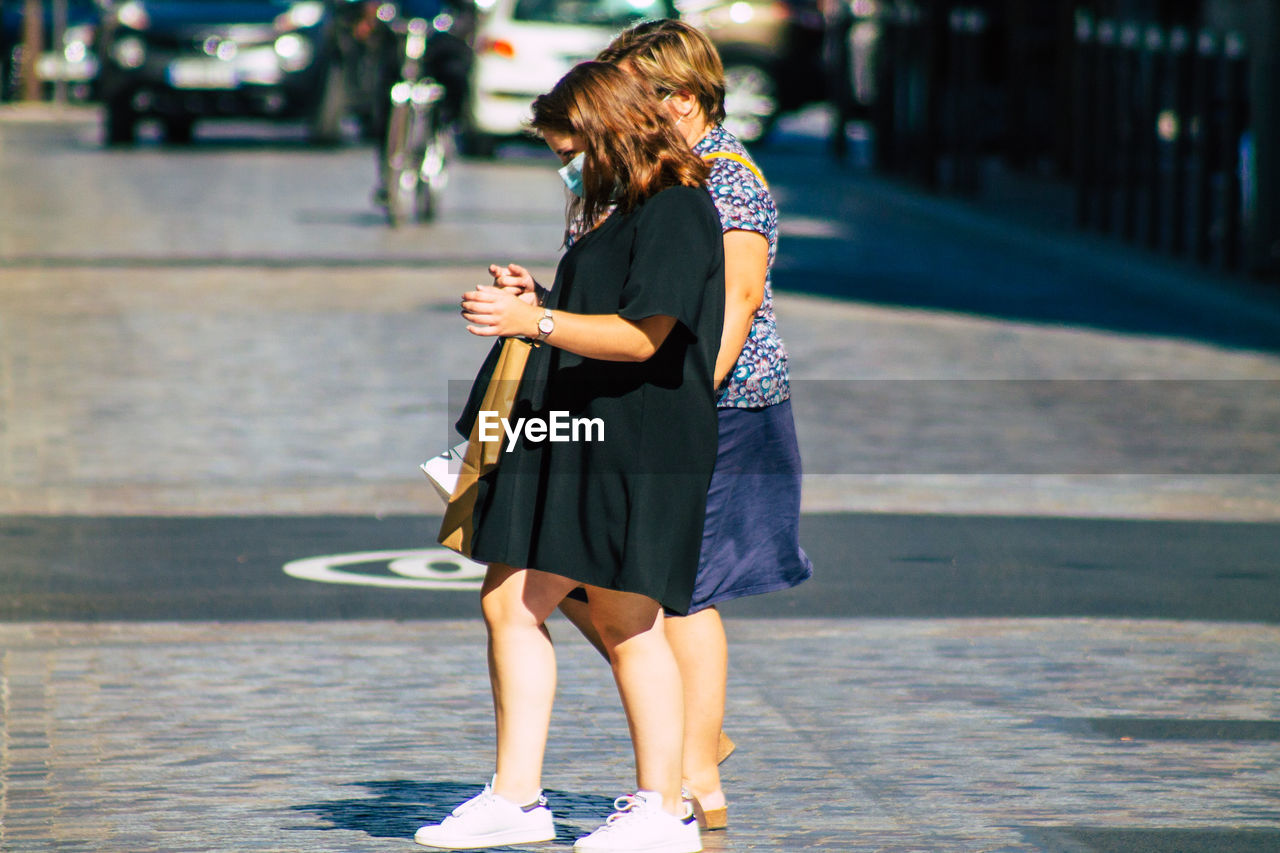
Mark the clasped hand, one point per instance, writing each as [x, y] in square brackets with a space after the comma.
[506, 308]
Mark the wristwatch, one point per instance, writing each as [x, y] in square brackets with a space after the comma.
[546, 325]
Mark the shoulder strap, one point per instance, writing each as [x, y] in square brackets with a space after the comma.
[729, 155]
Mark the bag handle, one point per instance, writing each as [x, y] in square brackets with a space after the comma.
[737, 158]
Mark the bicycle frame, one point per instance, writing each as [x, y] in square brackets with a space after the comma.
[415, 158]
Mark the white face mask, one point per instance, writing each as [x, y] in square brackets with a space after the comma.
[571, 174]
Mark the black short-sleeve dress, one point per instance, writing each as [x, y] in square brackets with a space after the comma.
[619, 502]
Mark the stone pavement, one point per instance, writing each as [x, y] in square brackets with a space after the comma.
[268, 359]
[145, 391]
[168, 388]
[854, 735]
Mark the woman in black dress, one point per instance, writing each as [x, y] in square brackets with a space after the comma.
[630, 332]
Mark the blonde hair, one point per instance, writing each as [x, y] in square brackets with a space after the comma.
[674, 57]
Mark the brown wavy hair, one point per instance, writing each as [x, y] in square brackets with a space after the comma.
[673, 56]
[632, 150]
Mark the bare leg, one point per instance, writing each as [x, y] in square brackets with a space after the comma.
[631, 627]
[579, 613]
[702, 654]
[522, 672]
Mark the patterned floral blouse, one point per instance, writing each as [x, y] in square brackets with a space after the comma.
[760, 376]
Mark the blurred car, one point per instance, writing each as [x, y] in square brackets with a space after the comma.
[772, 53]
[72, 61]
[523, 47]
[185, 60]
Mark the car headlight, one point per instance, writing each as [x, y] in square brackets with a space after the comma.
[300, 16]
[129, 52]
[133, 15]
[294, 51]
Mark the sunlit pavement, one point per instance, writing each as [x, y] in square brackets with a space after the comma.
[151, 374]
[895, 735]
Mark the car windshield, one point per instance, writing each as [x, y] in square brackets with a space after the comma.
[603, 13]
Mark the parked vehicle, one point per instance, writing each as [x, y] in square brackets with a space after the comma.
[772, 53]
[186, 60]
[72, 61]
[523, 47]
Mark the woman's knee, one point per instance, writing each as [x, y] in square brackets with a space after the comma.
[519, 597]
[502, 598]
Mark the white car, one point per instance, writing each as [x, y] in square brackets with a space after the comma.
[523, 47]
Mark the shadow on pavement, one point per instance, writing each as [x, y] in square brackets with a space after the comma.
[1098, 839]
[1047, 296]
[849, 234]
[395, 808]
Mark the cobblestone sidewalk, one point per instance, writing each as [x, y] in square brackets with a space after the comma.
[899, 735]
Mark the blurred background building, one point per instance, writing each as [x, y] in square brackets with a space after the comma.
[1160, 115]
[1156, 122]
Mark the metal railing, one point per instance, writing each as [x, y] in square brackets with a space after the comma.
[928, 111]
[1163, 132]
[1162, 148]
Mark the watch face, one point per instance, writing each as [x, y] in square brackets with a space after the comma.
[546, 325]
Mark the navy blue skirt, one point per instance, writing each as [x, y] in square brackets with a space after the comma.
[751, 536]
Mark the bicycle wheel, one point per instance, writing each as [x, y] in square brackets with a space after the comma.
[433, 175]
[402, 197]
[400, 173]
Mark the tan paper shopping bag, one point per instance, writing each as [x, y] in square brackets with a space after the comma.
[482, 456]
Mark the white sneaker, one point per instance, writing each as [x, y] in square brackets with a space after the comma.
[641, 826]
[487, 820]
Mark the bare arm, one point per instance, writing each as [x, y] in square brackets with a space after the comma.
[491, 312]
[746, 261]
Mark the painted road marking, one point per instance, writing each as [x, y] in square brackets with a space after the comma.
[429, 568]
